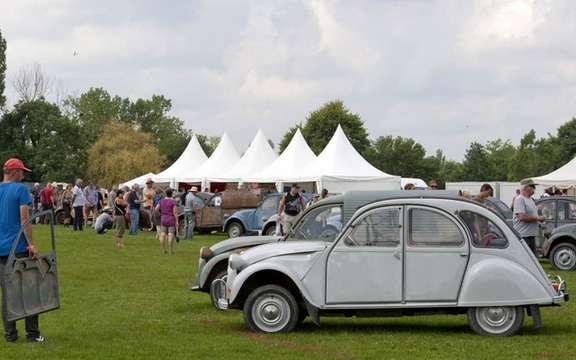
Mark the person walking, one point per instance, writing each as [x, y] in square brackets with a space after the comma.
[78, 202]
[66, 200]
[35, 199]
[192, 206]
[148, 196]
[168, 222]
[47, 201]
[290, 207]
[120, 206]
[14, 209]
[526, 216]
[134, 201]
[91, 196]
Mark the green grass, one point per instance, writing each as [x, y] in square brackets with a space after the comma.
[132, 303]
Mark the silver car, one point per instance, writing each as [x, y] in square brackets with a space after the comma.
[399, 253]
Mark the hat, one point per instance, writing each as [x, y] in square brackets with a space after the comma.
[15, 164]
[149, 181]
[527, 182]
[194, 189]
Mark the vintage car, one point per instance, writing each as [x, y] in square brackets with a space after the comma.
[250, 221]
[399, 253]
[560, 231]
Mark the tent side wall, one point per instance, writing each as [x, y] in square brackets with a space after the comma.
[341, 185]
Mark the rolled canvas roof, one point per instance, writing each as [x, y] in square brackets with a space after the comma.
[290, 163]
[562, 177]
[192, 157]
[258, 156]
[224, 157]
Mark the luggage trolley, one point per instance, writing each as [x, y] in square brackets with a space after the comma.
[31, 285]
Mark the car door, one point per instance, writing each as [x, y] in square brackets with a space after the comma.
[365, 266]
[548, 209]
[211, 215]
[262, 213]
[566, 212]
[436, 255]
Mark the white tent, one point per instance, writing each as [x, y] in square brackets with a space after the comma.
[340, 168]
[140, 180]
[290, 163]
[563, 177]
[224, 157]
[258, 156]
[192, 158]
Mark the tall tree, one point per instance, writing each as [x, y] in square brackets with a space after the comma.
[499, 155]
[50, 143]
[399, 156]
[476, 163]
[32, 83]
[288, 137]
[121, 153]
[2, 70]
[567, 140]
[208, 143]
[524, 161]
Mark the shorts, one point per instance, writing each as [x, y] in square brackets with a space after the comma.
[120, 225]
[168, 229]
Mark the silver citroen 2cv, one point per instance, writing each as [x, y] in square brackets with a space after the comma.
[398, 253]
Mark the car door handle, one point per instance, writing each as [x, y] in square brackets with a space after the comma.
[398, 254]
[464, 254]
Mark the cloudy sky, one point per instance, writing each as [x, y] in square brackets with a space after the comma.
[444, 72]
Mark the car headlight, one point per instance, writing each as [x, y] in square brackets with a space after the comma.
[206, 253]
[236, 262]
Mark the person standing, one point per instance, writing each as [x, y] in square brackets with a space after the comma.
[158, 195]
[66, 201]
[192, 206]
[112, 196]
[148, 196]
[486, 191]
[433, 185]
[78, 202]
[91, 196]
[516, 194]
[168, 222]
[47, 201]
[290, 207]
[134, 206]
[14, 209]
[120, 218]
[35, 199]
[526, 216]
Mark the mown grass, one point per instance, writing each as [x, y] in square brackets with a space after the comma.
[133, 303]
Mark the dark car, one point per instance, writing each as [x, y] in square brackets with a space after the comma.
[560, 230]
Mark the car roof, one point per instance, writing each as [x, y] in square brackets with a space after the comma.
[557, 197]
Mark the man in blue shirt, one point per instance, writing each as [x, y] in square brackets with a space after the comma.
[14, 207]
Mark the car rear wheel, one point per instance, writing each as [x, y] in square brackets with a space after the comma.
[563, 256]
[496, 321]
[235, 229]
[271, 309]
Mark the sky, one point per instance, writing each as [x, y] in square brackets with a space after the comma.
[445, 72]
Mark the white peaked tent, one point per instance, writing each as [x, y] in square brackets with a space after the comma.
[140, 180]
[192, 158]
[290, 163]
[257, 157]
[224, 157]
[340, 168]
[563, 177]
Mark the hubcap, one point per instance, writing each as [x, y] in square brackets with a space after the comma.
[496, 320]
[271, 313]
[565, 258]
[234, 231]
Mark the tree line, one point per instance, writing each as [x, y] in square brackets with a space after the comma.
[109, 139]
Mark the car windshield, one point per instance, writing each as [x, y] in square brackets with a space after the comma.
[322, 223]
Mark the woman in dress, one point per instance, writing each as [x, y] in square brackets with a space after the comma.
[120, 218]
[168, 222]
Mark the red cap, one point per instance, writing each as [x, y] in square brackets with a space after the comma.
[15, 164]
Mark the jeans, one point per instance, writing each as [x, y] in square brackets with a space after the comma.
[134, 221]
[31, 323]
[189, 223]
[78, 217]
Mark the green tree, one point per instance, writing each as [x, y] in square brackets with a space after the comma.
[567, 141]
[399, 156]
[208, 143]
[2, 71]
[499, 155]
[524, 161]
[288, 137]
[475, 163]
[50, 143]
[112, 160]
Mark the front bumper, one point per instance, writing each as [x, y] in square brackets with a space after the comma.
[559, 286]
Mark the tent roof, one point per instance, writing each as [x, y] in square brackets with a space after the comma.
[140, 180]
[222, 160]
[562, 177]
[290, 163]
[257, 157]
[192, 157]
[339, 160]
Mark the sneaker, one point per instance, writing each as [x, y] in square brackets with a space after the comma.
[37, 339]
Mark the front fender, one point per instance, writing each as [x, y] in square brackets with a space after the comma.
[206, 270]
[247, 273]
[240, 219]
[495, 281]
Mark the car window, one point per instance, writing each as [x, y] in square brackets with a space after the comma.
[269, 203]
[485, 234]
[566, 210]
[380, 228]
[547, 209]
[323, 223]
[216, 201]
[429, 228]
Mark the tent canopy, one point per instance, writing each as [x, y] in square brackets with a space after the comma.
[290, 163]
[192, 157]
[140, 180]
[563, 177]
[258, 156]
[224, 157]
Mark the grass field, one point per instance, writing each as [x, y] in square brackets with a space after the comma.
[132, 303]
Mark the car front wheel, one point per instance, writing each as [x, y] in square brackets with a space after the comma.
[563, 256]
[271, 309]
[270, 231]
[496, 321]
[235, 230]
